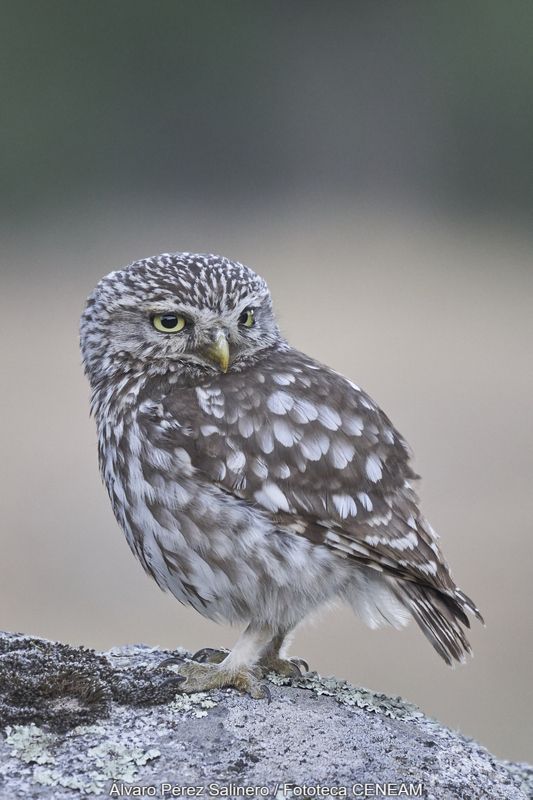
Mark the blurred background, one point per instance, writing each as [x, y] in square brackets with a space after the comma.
[374, 162]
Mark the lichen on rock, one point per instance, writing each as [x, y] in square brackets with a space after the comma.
[95, 723]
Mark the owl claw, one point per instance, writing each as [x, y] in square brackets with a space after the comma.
[171, 660]
[203, 654]
[208, 655]
[301, 663]
[267, 692]
[173, 679]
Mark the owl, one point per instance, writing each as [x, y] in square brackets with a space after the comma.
[253, 482]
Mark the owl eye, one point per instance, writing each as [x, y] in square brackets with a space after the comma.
[247, 318]
[168, 323]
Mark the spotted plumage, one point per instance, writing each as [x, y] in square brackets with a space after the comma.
[253, 482]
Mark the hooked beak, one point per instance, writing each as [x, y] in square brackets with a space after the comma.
[218, 350]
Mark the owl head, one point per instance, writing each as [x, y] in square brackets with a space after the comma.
[200, 312]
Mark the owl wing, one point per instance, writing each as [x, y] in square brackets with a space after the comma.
[317, 455]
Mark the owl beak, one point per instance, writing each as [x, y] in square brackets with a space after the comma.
[218, 350]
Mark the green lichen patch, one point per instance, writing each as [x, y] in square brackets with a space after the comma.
[119, 762]
[188, 703]
[76, 764]
[345, 693]
[30, 744]
[47, 777]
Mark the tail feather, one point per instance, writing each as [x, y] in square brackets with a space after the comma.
[469, 604]
[438, 615]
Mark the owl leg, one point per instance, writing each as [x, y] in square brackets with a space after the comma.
[238, 669]
[274, 657]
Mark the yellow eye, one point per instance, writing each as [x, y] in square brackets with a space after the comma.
[168, 323]
[247, 318]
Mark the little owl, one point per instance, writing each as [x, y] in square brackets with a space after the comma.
[253, 482]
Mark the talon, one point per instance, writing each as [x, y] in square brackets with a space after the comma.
[171, 660]
[173, 679]
[301, 663]
[296, 671]
[266, 690]
[202, 655]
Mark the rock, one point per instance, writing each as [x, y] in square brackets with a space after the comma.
[76, 723]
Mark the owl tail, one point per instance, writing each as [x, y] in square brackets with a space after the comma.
[438, 615]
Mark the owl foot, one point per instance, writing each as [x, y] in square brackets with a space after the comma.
[271, 662]
[202, 677]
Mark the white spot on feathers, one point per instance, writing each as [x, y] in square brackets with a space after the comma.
[236, 460]
[260, 468]
[329, 418]
[272, 498]
[365, 501]
[314, 446]
[345, 505]
[373, 467]
[282, 471]
[283, 379]
[209, 430]
[353, 385]
[303, 411]
[280, 402]
[387, 435]
[246, 426]
[353, 425]
[266, 440]
[406, 542]
[430, 568]
[211, 401]
[285, 434]
[341, 453]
